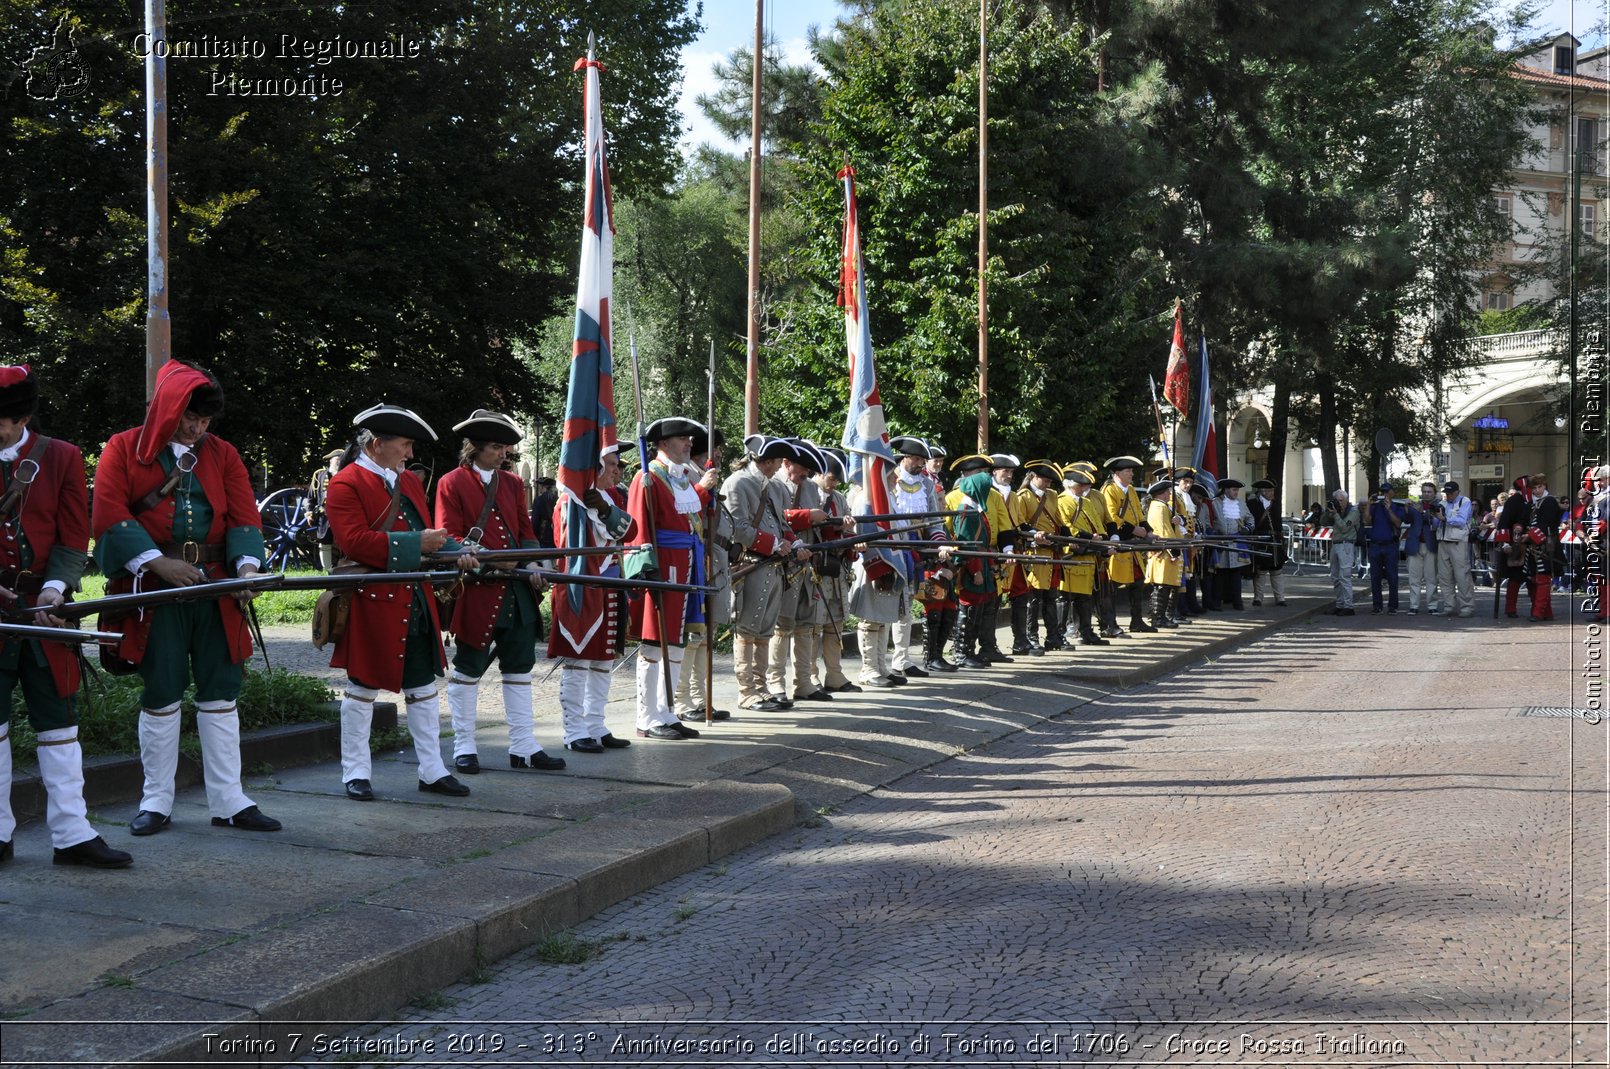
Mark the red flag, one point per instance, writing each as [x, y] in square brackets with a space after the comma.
[1177, 379]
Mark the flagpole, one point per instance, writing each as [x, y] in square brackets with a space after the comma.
[983, 225]
[709, 540]
[752, 375]
[158, 327]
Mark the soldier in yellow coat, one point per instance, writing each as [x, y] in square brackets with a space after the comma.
[1126, 518]
[1035, 507]
[1163, 565]
[1084, 515]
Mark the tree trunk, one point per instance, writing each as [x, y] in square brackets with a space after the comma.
[1279, 420]
[1328, 436]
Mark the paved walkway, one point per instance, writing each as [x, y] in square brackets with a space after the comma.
[355, 909]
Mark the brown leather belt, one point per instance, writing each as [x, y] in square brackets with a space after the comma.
[194, 552]
[25, 582]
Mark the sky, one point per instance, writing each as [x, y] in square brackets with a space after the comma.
[730, 24]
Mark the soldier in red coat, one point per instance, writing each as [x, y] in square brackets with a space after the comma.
[589, 622]
[481, 504]
[666, 509]
[174, 507]
[44, 543]
[379, 523]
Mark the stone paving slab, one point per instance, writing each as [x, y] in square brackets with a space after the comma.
[355, 908]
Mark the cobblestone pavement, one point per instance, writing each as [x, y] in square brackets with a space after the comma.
[1305, 852]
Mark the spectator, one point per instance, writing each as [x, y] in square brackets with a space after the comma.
[1345, 524]
[1420, 548]
[1312, 516]
[542, 511]
[1383, 526]
[1453, 560]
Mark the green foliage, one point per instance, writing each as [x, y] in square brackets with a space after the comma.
[109, 710]
[1513, 320]
[566, 948]
[388, 241]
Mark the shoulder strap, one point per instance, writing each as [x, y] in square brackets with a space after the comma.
[389, 517]
[165, 490]
[475, 533]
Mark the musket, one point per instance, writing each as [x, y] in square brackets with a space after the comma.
[890, 517]
[56, 634]
[521, 556]
[668, 695]
[830, 546]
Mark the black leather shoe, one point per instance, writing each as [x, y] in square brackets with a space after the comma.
[941, 666]
[1142, 627]
[575, 746]
[446, 785]
[685, 731]
[818, 695]
[898, 679]
[782, 702]
[359, 790]
[846, 688]
[693, 718]
[149, 823]
[249, 819]
[469, 764]
[913, 670]
[610, 742]
[720, 714]
[995, 657]
[661, 731]
[5, 850]
[766, 705]
[94, 853]
[539, 761]
[974, 662]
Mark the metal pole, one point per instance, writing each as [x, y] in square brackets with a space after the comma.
[983, 225]
[752, 376]
[158, 328]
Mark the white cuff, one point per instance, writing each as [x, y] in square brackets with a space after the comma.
[57, 585]
[133, 567]
[241, 562]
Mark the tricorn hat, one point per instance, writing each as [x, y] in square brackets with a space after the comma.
[1264, 484]
[485, 425]
[1004, 460]
[1081, 471]
[672, 427]
[1121, 462]
[1185, 473]
[970, 463]
[837, 463]
[766, 447]
[934, 448]
[907, 446]
[396, 421]
[1043, 468]
[19, 392]
[1231, 484]
[701, 442]
[1161, 486]
[807, 455]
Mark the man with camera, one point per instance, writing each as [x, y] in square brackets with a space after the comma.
[1383, 526]
[1420, 548]
[1345, 524]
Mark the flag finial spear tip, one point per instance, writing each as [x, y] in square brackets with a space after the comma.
[590, 43]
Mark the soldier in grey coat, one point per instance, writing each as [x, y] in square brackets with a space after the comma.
[801, 613]
[694, 685]
[755, 505]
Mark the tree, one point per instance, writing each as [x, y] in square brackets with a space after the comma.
[392, 239]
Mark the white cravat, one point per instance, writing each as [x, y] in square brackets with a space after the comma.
[485, 476]
[14, 450]
[368, 464]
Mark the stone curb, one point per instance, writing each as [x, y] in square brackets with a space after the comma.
[362, 959]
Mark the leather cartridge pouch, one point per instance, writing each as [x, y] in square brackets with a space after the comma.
[334, 607]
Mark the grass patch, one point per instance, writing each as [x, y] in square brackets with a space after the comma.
[566, 949]
[434, 1001]
[116, 979]
[109, 711]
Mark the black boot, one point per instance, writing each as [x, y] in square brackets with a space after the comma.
[972, 624]
[1046, 607]
[1160, 598]
[1031, 623]
[1180, 608]
[958, 637]
[936, 632]
[1085, 605]
[1020, 616]
[1068, 620]
[989, 627]
[1137, 608]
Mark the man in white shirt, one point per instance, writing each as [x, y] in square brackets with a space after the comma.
[1452, 525]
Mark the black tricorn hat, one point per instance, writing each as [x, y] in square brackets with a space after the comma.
[907, 446]
[766, 447]
[206, 401]
[1231, 484]
[1161, 486]
[970, 463]
[396, 421]
[672, 427]
[1264, 484]
[701, 442]
[19, 392]
[485, 425]
[807, 455]
[1044, 468]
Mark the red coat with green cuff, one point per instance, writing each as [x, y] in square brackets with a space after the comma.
[459, 499]
[373, 647]
[122, 480]
[50, 535]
